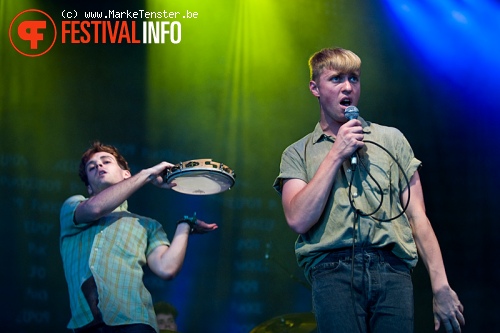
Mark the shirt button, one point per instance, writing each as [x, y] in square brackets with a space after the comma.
[355, 194]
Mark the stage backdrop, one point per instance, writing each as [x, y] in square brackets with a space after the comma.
[228, 80]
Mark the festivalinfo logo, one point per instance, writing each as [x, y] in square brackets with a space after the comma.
[33, 32]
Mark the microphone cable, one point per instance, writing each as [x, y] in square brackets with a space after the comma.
[358, 213]
[351, 200]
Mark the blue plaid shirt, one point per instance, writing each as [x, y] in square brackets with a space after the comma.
[113, 250]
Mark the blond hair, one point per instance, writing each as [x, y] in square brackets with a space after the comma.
[338, 59]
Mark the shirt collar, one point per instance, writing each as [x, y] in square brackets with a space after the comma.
[122, 208]
[318, 134]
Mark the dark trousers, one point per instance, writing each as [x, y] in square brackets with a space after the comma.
[102, 328]
[376, 297]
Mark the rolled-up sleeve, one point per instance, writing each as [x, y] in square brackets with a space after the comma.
[67, 214]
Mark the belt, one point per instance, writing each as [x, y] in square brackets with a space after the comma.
[384, 253]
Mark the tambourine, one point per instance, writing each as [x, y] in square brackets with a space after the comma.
[200, 177]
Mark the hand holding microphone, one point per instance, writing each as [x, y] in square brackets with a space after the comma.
[352, 112]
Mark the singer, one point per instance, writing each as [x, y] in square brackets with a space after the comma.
[360, 228]
[104, 246]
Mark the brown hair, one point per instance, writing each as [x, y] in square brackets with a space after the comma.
[98, 147]
[338, 59]
[165, 308]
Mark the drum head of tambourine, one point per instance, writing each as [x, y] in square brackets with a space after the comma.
[201, 182]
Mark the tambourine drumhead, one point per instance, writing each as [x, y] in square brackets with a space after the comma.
[200, 177]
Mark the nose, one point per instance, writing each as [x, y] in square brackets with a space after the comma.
[347, 86]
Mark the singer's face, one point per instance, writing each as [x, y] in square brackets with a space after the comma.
[103, 171]
[335, 92]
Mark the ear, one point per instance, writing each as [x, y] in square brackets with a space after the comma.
[126, 174]
[313, 87]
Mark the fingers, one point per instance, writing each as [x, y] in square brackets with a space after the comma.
[461, 311]
[349, 138]
[159, 173]
[202, 227]
[457, 319]
[448, 327]
[161, 182]
[437, 323]
[352, 128]
[452, 324]
[206, 226]
[460, 317]
[166, 164]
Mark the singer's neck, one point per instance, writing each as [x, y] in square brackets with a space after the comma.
[330, 127]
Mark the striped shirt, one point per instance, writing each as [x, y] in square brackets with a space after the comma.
[113, 250]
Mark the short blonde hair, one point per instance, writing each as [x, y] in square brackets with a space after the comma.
[339, 59]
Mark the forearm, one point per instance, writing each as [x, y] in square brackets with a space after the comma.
[304, 203]
[167, 262]
[446, 306]
[110, 198]
[430, 254]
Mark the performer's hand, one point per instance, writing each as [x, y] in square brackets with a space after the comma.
[349, 138]
[448, 310]
[201, 227]
[157, 173]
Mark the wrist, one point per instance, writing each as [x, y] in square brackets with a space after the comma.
[190, 221]
[145, 176]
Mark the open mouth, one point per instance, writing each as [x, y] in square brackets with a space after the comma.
[345, 101]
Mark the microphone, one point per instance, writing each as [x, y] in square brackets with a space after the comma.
[352, 112]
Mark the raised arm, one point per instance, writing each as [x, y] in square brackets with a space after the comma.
[111, 197]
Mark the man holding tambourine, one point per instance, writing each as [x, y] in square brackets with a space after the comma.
[104, 246]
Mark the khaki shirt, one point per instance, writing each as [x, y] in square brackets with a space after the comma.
[334, 229]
